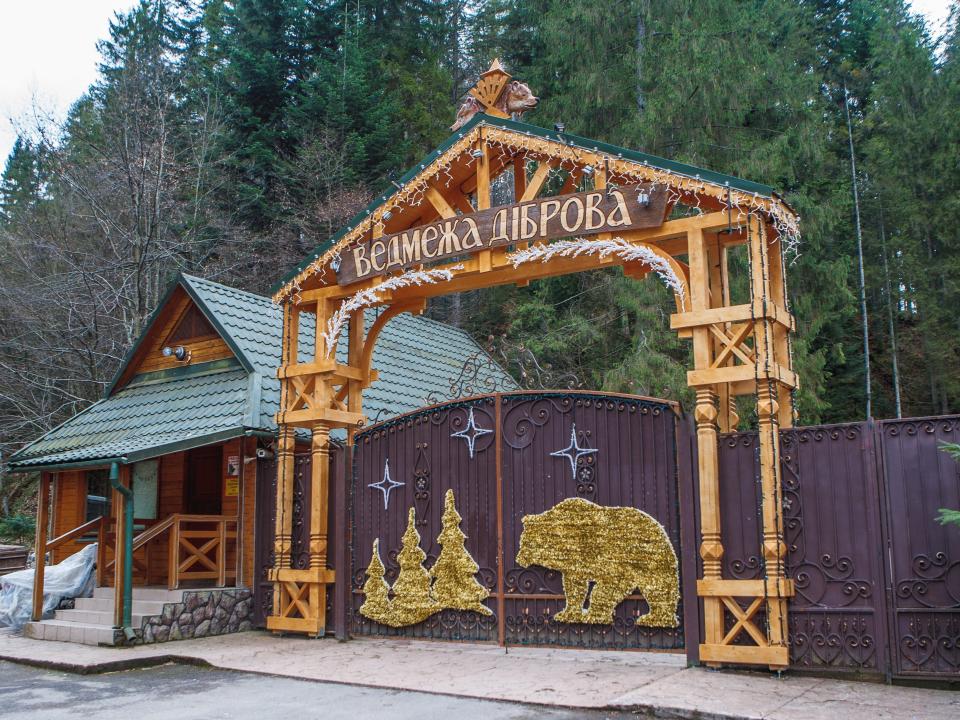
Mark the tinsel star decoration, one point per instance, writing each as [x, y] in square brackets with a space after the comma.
[573, 452]
[471, 432]
[386, 485]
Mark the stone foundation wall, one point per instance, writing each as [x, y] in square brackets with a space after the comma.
[202, 613]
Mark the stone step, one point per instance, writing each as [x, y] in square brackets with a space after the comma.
[74, 632]
[93, 617]
[153, 594]
[101, 604]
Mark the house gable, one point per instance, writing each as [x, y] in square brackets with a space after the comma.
[178, 322]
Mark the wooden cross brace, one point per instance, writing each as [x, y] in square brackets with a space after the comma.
[743, 621]
[732, 343]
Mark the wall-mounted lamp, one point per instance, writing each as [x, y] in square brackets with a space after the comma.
[178, 353]
[643, 197]
[588, 170]
[478, 153]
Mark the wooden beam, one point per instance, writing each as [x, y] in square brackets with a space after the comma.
[773, 656]
[535, 184]
[440, 203]
[715, 587]
[43, 520]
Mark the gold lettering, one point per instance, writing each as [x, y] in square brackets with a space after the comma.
[472, 232]
[577, 203]
[528, 226]
[594, 213]
[500, 221]
[449, 242]
[411, 247]
[376, 250]
[360, 260]
[429, 235]
[548, 211]
[393, 252]
[620, 210]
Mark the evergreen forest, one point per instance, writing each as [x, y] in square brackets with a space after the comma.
[229, 138]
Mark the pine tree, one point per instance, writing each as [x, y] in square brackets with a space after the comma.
[455, 585]
[412, 600]
[376, 592]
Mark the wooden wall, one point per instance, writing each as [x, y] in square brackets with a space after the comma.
[69, 509]
[238, 496]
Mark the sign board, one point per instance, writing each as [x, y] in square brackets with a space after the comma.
[231, 487]
[233, 465]
[588, 213]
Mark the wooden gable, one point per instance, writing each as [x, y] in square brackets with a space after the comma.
[180, 322]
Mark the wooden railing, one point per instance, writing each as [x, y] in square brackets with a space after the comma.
[197, 549]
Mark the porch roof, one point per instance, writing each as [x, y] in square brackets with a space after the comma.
[171, 410]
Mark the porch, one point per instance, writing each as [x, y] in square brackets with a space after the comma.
[180, 519]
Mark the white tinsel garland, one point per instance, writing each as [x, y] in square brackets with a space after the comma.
[614, 246]
[373, 296]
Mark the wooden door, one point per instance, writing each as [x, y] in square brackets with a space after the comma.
[204, 470]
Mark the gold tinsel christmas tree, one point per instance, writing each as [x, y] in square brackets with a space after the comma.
[376, 592]
[412, 601]
[455, 585]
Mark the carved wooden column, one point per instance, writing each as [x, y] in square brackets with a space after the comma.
[705, 414]
[711, 543]
[286, 446]
[319, 498]
[768, 412]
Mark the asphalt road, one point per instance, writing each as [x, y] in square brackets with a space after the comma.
[183, 692]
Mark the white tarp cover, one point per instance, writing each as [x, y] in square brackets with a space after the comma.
[71, 578]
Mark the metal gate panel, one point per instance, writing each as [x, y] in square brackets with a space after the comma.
[423, 453]
[833, 533]
[924, 555]
[511, 474]
[634, 465]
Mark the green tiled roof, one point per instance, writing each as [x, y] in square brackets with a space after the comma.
[170, 410]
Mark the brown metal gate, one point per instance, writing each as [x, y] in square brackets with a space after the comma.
[924, 555]
[502, 455]
[877, 578]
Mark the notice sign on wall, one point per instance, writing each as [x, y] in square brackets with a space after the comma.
[616, 209]
[233, 465]
[232, 487]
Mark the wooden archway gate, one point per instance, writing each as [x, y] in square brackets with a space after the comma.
[738, 349]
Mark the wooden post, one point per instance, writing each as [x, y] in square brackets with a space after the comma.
[286, 446]
[705, 415]
[173, 556]
[119, 547]
[284, 520]
[774, 549]
[484, 257]
[319, 498]
[221, 553]
[102, 533]
[43, 519]
[727, 418]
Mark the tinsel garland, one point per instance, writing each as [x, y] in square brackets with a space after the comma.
[619, 549]
[623, 249]
[454, 583]
[374, 296]
[418, 593]
[689, 189]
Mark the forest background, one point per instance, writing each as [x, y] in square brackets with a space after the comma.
[227, 139]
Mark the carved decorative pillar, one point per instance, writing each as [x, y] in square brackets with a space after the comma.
[711, 545]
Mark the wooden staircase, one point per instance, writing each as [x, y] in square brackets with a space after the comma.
[91, 620]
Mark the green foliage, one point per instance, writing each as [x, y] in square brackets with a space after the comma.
[18, 527]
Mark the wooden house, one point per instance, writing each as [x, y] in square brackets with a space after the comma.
[185, 425]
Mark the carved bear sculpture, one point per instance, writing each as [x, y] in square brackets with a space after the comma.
[620, 549]
[516, 98]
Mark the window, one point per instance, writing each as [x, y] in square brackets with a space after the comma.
[98, 494]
